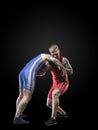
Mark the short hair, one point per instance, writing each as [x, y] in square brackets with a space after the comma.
[53, 46]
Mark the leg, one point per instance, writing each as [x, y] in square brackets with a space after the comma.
[19, 98]
[60, 110]
[63, 89]
[24, 102]
[55, 104]
[27, 94]
[21, 81]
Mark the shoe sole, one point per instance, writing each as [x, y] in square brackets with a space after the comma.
[62, 116]
[50, 124]
[21, 123]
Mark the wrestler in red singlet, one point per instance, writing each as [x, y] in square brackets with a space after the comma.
[59, 80]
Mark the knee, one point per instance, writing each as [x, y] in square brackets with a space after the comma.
[55, 94]
[20, 95]
[49, 103]
[26, 98]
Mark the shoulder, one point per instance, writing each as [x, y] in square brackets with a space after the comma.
[45, 56]
[64, 59]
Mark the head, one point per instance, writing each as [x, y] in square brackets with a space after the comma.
[54, 51]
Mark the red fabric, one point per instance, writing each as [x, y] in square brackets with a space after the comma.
[63, 86]
[60, 81]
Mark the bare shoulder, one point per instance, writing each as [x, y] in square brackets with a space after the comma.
[65, 60]
[45, 56]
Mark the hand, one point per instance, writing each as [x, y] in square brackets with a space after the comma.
[59, 67]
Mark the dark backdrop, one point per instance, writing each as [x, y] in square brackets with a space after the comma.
[29, 30]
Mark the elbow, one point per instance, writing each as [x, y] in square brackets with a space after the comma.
[71, 71]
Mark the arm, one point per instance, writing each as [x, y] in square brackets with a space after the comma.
[50, 58]
[43, 70]
[67, 65]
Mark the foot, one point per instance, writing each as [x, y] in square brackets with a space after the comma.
[50, 122]
[20, 121]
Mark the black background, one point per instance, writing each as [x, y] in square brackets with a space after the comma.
[29, 29]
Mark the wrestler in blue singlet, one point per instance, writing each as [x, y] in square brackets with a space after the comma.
[28, 73]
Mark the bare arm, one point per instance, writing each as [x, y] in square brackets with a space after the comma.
[55, 61]
[67, 65]
[43, 70]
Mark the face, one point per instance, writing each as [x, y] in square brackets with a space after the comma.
[55, 52]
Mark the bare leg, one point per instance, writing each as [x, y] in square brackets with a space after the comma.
[55, 103]
[23, 103]
[21, 106]
[19, 98]
[60, 110]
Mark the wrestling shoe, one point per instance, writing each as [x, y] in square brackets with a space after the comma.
[20, 121]
[50, 122]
